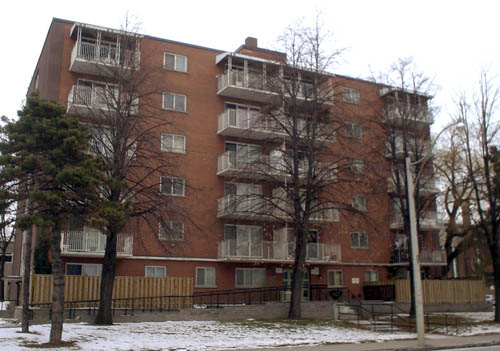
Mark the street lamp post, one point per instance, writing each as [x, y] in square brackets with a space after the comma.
[415, 258]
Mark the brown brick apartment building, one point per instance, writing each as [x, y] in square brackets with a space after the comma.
[208, 103]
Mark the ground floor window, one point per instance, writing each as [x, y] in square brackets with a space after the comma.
[250, 277]
[371, 276]
[335, 278]
[155, 272]
[86, 269]
[205, 276]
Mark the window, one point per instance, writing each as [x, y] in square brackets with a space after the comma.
[356, 166]
[335, 278]
[205, 276]
[172, 186]
[353, 130]
[171, 230]
[175, 62]
[243, 241]
[371, 276]
[173, 143]
[250, 277]
[359, 203]
[155, 272]
[359, 240]
[86, 269]
[8, 257]
[351, 96]
[101, 141]
[176, 102]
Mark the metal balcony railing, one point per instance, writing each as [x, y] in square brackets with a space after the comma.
[245, 206]
[276, 250]
[82, 99]
[104, 54]
[92, 241]
[427, 255]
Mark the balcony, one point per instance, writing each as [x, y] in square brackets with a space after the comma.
[430, 221]
[256, 126]
[92, 100]
[250, 207]
[247, 86]
[98, 59]
[231, 250]
[91, 242]
[427, 187]
[395, 116]
[427, 256]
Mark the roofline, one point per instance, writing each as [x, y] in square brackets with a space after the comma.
[260, 49]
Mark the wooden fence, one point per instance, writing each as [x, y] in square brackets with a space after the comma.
[440, 291]
[80, 288]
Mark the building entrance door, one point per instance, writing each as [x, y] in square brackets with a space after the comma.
[306, 284]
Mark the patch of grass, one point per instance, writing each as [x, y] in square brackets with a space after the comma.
[49, 345]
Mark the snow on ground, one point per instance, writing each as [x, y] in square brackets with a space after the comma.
[193, 336]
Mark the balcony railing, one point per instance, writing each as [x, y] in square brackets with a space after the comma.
[427, 186]
[275, 250]
[393, 114]
[92, 241]
[253, 125]
[87, 57]
[427, 256]
[242, 206]
[428, 221]
[85, 100]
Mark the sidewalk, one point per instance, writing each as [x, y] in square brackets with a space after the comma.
[432, 342]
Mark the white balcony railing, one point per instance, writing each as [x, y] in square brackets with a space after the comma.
[83, 99]
[92, 241]
[427, 255]
[430, 220]
[275, 250]
[427, 186]
[414, 115]
[104, 54]
[244, 206]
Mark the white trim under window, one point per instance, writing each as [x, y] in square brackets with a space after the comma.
[173, 143]
[249, 277]
[175, 62]
[205, 277]
[335, 278]
[174, 102]
[85, 269]
[359, 240]
[171, 231]
[172, 186]
[155, 271]
[351, 96]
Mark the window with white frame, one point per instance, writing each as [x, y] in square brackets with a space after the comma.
[359, 203]
[243, 241]
[205, 276]
[173, 143]
[359, 240]
[176, 102]
[335, 278]
[171, 231]
[155, 272]
[371, 276]
[353, 130]
[175, 62]
[351, 96]
[250, 277]
[86, 269]
[172, 186]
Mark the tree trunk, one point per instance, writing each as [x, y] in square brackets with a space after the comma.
[2, 270]
[26, 281]
[295, 310]
[105, 315]
[57, 319]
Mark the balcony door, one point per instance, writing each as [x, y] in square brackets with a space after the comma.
[306, 283]
[243, 241]
[242, 197]
[242, 116]
[241, 155]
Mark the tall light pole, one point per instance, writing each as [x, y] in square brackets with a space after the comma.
[415, 258]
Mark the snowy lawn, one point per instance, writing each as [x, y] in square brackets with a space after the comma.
[211, 335]
[192, 336]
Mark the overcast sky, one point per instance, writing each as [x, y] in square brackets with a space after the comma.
[451, 41]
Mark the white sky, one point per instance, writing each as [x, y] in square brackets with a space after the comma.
[451, 41]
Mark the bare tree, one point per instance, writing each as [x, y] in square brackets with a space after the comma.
[7, 234]
[406, 119]
[124, 119]
[480, 128]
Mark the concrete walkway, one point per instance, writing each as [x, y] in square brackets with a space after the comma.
[433, 342]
